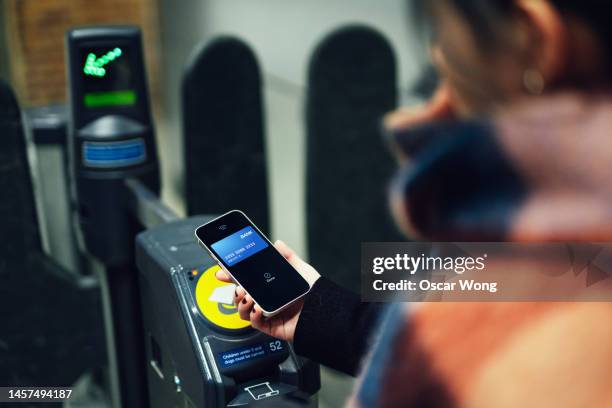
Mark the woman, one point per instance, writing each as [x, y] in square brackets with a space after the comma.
[528, 80]
[526, 159]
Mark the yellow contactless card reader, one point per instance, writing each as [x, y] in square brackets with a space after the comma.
[215, 301]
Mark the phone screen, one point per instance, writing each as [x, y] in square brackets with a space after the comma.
[252, 260]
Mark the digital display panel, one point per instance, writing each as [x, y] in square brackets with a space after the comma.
[107, 76]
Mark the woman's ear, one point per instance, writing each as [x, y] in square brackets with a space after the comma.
[547, 38]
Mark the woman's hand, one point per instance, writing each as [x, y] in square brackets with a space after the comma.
[282, 326]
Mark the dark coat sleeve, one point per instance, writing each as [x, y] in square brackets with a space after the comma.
[335, 327]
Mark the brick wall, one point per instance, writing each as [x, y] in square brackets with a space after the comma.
[35, 33]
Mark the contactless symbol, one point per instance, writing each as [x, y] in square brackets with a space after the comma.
[228, 310]
[215, 300]
[224, 296]
[261, 391]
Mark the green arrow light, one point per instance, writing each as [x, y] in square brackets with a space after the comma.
[94, 66]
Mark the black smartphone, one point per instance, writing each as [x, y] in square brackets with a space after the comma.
[253, 262]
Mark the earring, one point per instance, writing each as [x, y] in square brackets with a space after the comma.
[533, 81]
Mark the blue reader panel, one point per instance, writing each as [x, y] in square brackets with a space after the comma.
[114, 154]
[239, 246]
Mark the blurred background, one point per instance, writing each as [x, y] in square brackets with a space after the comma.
[282, 34]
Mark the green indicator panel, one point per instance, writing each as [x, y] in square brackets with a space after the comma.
[94, 66]
[111, 98]
[107, 76]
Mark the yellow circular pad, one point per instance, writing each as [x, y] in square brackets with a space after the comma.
[220, 314]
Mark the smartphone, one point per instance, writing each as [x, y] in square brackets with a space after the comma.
[253, 262]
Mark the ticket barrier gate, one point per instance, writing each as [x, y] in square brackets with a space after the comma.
[199, 352]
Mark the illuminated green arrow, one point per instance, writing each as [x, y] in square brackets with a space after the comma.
[94, 66]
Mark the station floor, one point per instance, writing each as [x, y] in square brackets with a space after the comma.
[335, 388]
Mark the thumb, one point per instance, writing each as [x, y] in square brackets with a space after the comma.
[223, 276]
[287, 252]
[306, 270]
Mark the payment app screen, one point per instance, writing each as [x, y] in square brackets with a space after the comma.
[258, 266]
[239, 246]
